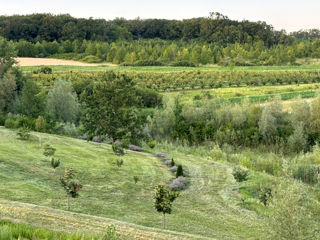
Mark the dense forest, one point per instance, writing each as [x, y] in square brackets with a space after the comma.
[216, 28]
[190, 42]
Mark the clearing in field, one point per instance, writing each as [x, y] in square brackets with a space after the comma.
[26, 61]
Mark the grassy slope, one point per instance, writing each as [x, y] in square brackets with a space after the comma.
[172, 69]
[209, 207]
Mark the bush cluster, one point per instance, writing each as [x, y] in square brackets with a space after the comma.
[240, 174]
[307, 173]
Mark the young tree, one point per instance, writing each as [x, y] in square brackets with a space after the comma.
[40, 124]
[55, 163]
[62, 102]
[70, 185]
[163, 201]
[119, 162]
[179, 171]
[291, 214]
[298, 140]
[7, 88]
[7, 54]
[135, 179]
[49, 151]
[267, 125]
[315, 116]
[111, 107]
[31, 101]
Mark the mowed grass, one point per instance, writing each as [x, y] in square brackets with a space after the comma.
[208, 208]
[104, 67]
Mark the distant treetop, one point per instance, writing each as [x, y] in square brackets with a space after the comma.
[216, 28]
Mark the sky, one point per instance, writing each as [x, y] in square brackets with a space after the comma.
[291, 15]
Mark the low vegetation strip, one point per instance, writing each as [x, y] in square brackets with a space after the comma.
[69, 222]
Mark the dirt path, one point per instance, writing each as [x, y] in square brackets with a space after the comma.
[22, 61]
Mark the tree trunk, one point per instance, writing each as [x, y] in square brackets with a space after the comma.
[164, 221]
[68, 202]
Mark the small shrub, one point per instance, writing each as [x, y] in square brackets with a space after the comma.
[270, 165]
[24, 133]
[265, 195]
[45, 70]
[172, 162]
[40, 124]
[23, 121]
[2, 120]
[178, 184]
[125, 143]
[117, 149]
[246, 163]
[148, 63]
[111, 233]
[179, 171]
[119, 162]
[10, 123]
[217, 154]
[240, 174]
[197, 97]
[68, 129]
[183, 64]
[49, 151]
[151, 144]
[135, 179]
[55, 163]
[307, 173]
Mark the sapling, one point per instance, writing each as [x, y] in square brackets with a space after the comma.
[49, 151]
[172, 162]
[24, 133]
[163, 201]
[135, 179]
[117, 149]
[179, 171]
[55, 163]
[119, 162]
[70, 185]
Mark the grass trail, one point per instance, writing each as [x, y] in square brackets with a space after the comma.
[208, 208]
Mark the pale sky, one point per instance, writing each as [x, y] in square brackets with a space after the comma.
[291, 15]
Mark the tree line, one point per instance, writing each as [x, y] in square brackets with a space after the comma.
[176, 53]
[215, 28]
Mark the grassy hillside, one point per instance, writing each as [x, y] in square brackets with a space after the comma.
[208, 208]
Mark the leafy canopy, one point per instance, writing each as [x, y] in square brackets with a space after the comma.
[111, 107]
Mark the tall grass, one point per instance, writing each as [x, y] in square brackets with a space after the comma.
[14, 231]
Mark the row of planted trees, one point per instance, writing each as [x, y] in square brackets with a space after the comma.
[161, 52]
[174, 81]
